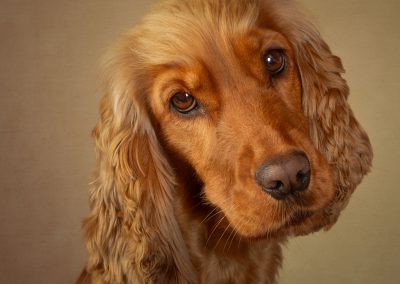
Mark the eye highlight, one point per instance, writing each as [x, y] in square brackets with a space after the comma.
[275, 61]
[183, 102]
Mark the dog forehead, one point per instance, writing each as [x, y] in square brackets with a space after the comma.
[176, 29]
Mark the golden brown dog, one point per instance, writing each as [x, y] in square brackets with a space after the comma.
[224, 130]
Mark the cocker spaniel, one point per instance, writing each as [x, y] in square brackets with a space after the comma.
[224, 130]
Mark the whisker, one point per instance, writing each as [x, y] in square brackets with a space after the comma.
[214, 228]
[222, 235]
[233, 234]
[210, 215]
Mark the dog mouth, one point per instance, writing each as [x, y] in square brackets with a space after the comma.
[299, 223]
[299, 218]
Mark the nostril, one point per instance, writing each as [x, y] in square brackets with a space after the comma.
[274, 185]
[303, 180]
[303, 177]
[278, 185]
[277, 189]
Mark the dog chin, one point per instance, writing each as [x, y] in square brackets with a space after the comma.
[299, 224]
[304, 223]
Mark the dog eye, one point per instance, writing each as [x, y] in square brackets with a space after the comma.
[183, 102]
[275, 61]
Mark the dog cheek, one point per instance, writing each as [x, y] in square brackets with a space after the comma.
[189, 139]
[322, 187]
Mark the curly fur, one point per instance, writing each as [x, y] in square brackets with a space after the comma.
[159, 209]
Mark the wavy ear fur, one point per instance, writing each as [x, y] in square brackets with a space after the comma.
[132, 234]
[333, 127]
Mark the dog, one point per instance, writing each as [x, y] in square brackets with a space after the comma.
[224, 130]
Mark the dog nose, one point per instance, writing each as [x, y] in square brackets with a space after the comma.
[285, 175]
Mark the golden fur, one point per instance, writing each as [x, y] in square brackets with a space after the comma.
[174, 199]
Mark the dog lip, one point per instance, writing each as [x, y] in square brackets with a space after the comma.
[298, 218]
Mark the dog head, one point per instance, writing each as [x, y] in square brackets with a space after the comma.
[246, 93]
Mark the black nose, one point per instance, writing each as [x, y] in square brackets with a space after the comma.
[284, 175]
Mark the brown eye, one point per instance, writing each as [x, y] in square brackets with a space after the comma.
[183, 102]
[275, 61]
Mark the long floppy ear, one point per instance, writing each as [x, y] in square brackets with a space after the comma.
[132, 234]
[333, 127]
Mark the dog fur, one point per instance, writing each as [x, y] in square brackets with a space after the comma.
[174, 198]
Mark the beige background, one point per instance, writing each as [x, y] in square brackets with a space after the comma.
[48, 104]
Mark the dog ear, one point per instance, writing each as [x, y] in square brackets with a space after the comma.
[333, 127]
[131, 231]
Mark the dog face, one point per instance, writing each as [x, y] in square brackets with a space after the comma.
[234, 110]
[250, 96]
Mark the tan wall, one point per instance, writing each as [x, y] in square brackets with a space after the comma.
[48, 105]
